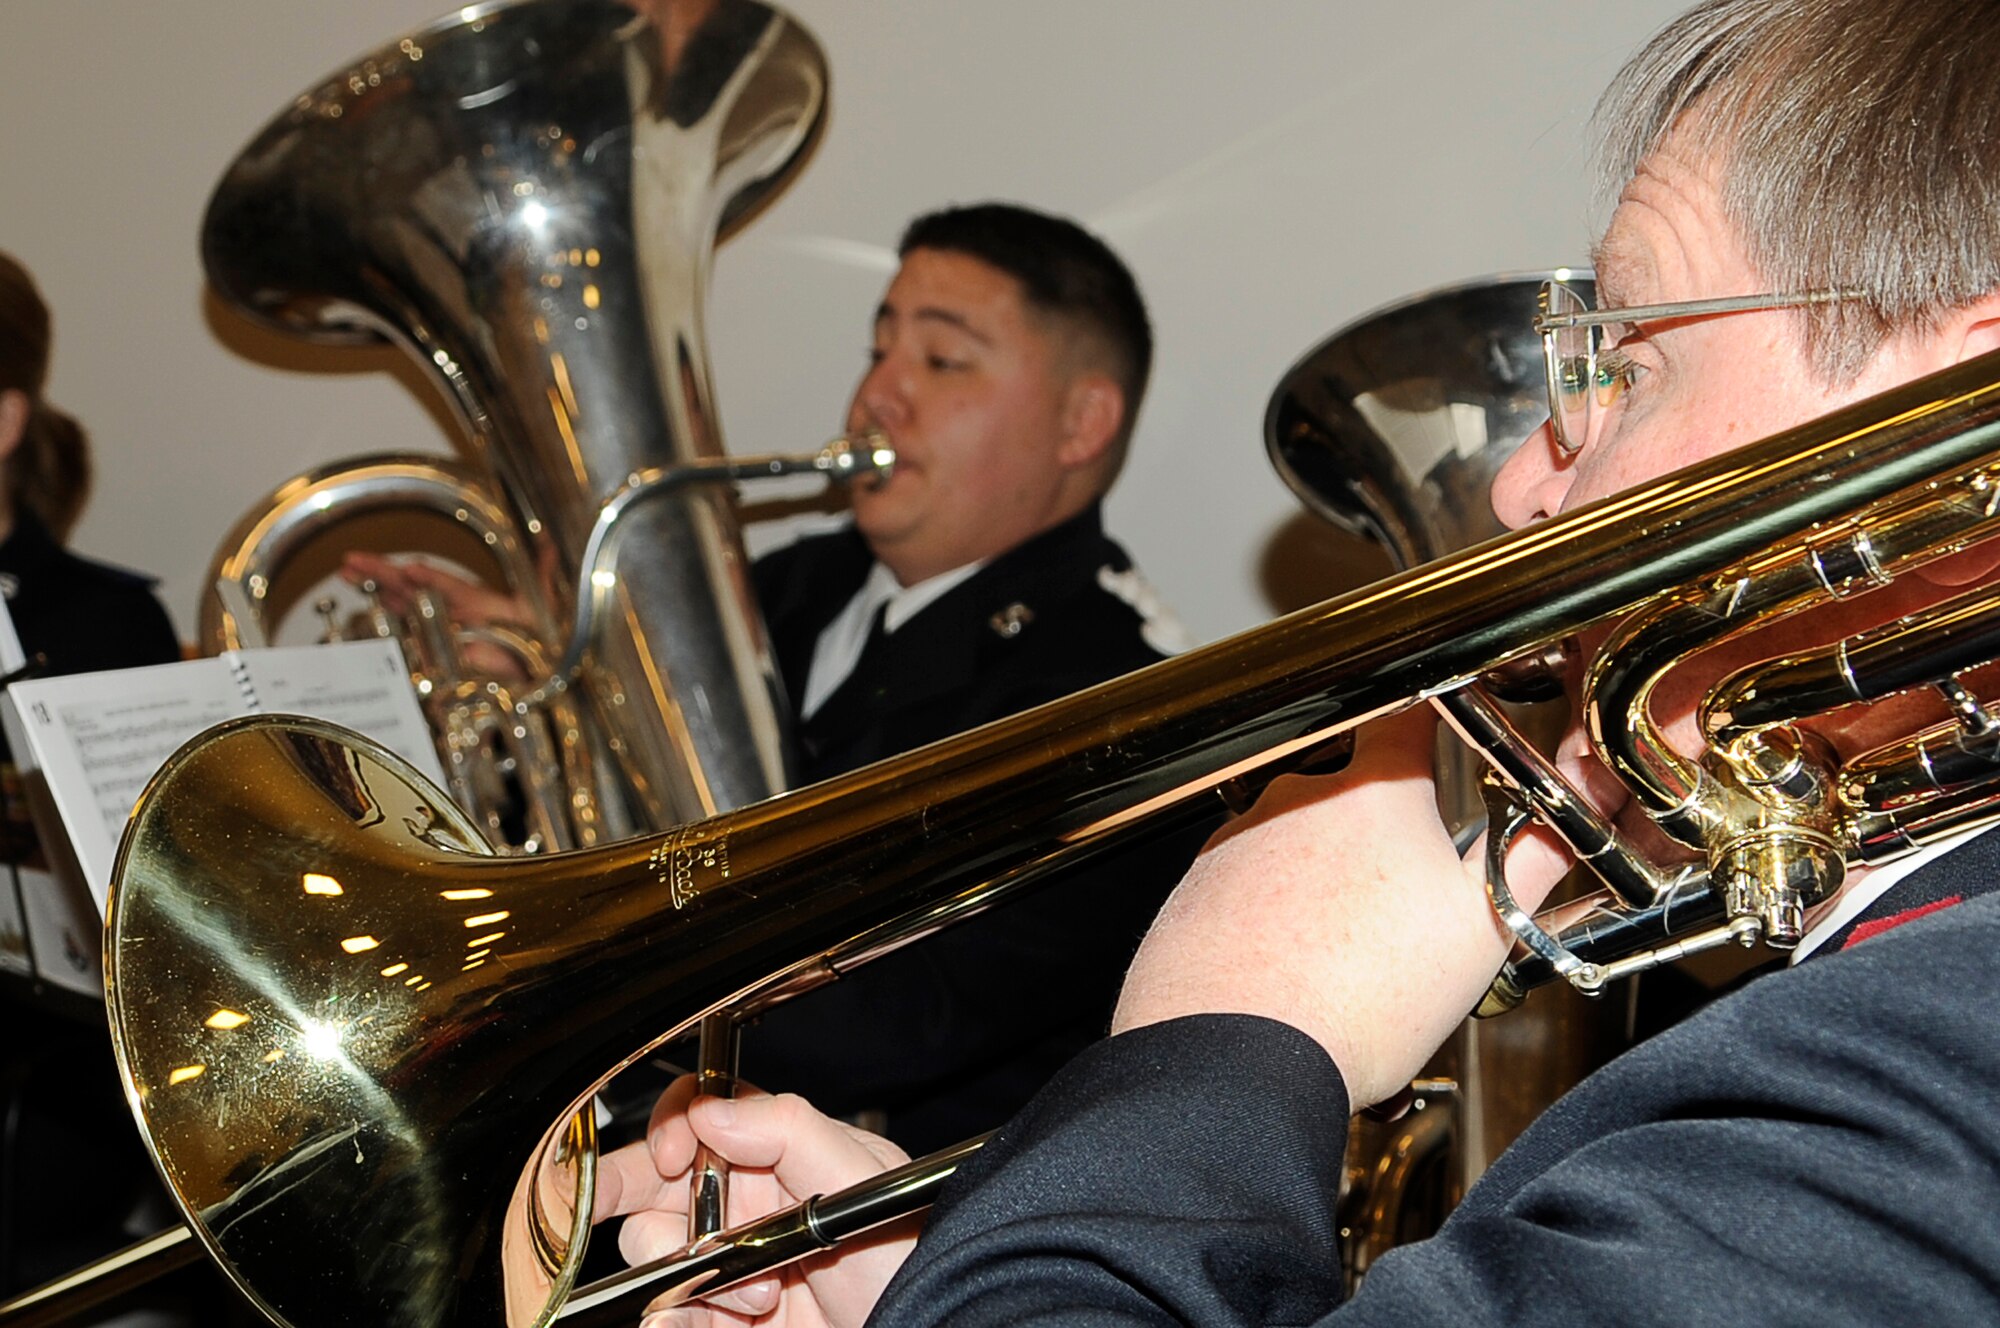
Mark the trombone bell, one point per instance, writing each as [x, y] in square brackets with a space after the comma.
[290, 1020]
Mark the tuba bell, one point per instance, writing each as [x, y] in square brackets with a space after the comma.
[526, 197]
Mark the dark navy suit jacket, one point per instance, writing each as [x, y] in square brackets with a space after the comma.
[951, 1036]
[1820, 1147]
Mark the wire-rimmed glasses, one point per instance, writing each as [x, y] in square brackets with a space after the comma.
[1584, 376]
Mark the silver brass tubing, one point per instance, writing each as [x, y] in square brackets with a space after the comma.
[1506, 817]
[841, 460]
[251, 558]
[1605, 934]
[755, 1248]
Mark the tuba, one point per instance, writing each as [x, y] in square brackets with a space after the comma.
[336, 1011]
[526, 196]
[530, 774]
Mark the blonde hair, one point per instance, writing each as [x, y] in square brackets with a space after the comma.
[1858, 143]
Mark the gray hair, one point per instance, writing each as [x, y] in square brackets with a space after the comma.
[1858, 143]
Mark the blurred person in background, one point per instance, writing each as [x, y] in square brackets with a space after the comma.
[74, 1181]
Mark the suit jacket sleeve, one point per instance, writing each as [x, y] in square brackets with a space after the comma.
[1818, 1149]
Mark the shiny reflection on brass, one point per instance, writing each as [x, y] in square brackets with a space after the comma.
[530, 209]
[440, 1129]
[320, 1125]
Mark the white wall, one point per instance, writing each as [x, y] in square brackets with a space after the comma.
[1271, 169]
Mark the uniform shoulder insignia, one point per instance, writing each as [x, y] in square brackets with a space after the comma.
[1157, 624]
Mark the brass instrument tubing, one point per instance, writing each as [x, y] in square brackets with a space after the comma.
[1895, 799]
[1618, 686]
[1884, 836]
[1376, 1229]
[1878, 835]
[1939, 760]
[841, 460]
[1916, 651]
[765, 1245]
[91, 1285]
[1507, 814]
[1485, 728]
[1603, 929]
[715, 1074]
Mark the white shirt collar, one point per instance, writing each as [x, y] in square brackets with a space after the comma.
[841, 642]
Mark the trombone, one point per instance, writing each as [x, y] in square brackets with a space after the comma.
[337, 1014]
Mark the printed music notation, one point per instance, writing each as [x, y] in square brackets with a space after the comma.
[122, 744]
[96, 739]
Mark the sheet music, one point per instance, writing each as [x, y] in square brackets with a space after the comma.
[98, 738]
[362, 685]
[65, 934]
[12, 656]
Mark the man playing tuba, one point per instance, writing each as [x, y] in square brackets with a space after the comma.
[1817, 1147]
[1006, 364]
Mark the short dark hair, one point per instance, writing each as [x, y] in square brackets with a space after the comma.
[1064, 271]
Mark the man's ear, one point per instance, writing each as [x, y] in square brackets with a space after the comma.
[1093, 413]
[1975, 330]
[1976, 327]
[14, 411]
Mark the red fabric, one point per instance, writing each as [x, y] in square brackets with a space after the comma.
[1880, 925]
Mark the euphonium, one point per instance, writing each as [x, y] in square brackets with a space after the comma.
[516, 752]
[529, 776]
[360, 1048]
[526, 197]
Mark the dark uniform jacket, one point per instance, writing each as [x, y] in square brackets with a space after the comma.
[1820, 1147]
[950, 1036]
[83, 615]
[1030, 626]
[72, 1159]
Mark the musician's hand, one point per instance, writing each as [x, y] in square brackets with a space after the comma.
[1338, 905]
[781, 1152]
[466, 603]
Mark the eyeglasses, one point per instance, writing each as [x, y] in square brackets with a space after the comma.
[1584, 374]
